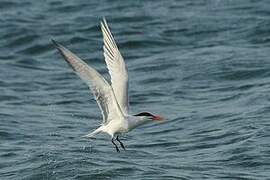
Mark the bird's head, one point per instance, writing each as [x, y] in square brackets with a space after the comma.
[149, 116]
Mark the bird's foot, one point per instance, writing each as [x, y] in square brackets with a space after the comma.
[116, 147]
[122, 145]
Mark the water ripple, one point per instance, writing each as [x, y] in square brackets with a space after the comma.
[204, 66]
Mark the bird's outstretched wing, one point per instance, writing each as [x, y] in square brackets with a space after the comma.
[116, 66]
[102, 91]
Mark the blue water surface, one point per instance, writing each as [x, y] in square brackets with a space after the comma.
[203, 65]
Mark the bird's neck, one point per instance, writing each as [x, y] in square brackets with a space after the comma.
[134, 121]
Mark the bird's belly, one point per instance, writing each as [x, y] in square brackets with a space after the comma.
[116, 128]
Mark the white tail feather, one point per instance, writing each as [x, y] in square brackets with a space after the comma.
[95, 132]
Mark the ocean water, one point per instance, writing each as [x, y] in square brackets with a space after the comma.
[203, 65]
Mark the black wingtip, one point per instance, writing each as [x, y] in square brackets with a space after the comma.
[56, 44]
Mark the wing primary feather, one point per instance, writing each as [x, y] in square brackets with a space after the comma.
[107, 30]
[110, 56]
[116, 66]
[107, 48]
[59, 47]
[108, 44]
[101, 89]
[109, 34]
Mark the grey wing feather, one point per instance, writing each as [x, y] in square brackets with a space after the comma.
[102, 91]
[116, 66]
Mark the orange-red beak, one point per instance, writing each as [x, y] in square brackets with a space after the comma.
[157, 118]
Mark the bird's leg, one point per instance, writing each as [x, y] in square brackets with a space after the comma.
[122, 145]
[117, 149]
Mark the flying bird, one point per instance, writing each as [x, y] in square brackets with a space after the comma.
[112, 99]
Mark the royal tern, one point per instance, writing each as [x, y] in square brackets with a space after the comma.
[111, 99]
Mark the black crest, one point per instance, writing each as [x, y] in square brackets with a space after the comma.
[144, 114]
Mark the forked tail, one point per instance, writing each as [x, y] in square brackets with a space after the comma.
[95, 132]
